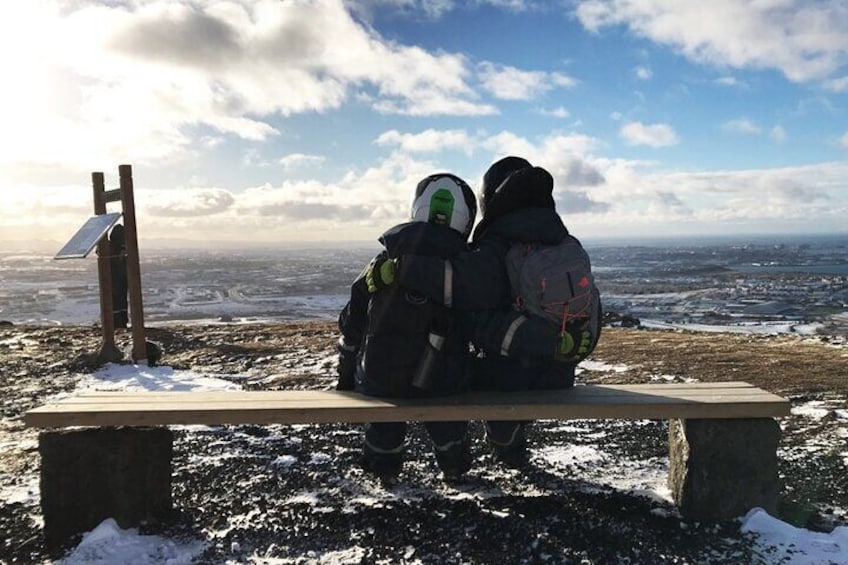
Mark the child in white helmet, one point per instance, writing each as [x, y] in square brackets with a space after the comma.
[397, 343]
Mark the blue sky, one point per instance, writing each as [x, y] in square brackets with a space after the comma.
[290, 121]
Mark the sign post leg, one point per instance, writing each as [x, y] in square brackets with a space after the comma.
[108, 352]
[139, 348]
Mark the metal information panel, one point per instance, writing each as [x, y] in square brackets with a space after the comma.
[88, 235]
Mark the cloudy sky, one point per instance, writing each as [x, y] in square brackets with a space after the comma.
[293, 120]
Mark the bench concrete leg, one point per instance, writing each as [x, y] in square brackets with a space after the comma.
[719, 469]
[93, 474]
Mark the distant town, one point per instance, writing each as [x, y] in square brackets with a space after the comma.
[728, 284]
[720, 283]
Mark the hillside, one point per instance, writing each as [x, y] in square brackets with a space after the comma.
[566, 510]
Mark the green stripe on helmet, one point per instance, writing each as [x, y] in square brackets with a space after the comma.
[441, 207]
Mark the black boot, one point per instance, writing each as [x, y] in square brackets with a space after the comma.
[508, 443]
[385, 464]
[454, 458]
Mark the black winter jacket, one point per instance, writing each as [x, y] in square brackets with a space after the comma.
[476, 282]
[421, 239]
[517, 352]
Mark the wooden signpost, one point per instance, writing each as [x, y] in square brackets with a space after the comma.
[93, 233]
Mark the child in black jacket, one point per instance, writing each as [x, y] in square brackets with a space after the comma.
[397, 343]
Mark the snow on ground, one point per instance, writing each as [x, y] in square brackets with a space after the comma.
[107, 544]
[770, 328]
[779, 542]
[25, 492]
[819, 412]
[589, 365]
[113, 377]
[775, 540]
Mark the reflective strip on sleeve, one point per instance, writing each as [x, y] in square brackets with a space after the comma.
[448, 290]
[510, 334]
[344, 346]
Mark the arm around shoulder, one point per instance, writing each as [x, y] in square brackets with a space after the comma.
[471, 280]
[509, 333]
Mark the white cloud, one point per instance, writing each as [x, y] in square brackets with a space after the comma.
[639, 196]
[428, 141]
[514, 5]
[297, 160]
[778, 134]
[430, 9]
[653, 135]
[804, 40]
[567, 157]
[626, 195]
[430, 105]
[742, 126]
[185, 203]
[839, 85]
[137, 81]
[558, 112]
[596, 195]
[727, 81]
[510, 83]
[643, 73]
[844, 140]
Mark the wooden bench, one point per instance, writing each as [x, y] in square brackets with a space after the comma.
[722, 439]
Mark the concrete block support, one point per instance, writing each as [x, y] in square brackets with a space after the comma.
[89, 475]
[719, 469]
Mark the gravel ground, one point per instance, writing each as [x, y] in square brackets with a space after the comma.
[295, 494]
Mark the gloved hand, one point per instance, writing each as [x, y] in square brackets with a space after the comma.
[380, 274]
[573, 344]
[346, 368]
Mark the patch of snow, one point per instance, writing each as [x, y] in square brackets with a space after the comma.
[570, 454]
[767, 328]
[648, 478]
[26, 493]
[114, 377]
[667, 378]
[214, 460]
[786, 544]
[310, 497]
[588, 365]
[807, 329]
[814, 409]
[284, 461]
[355, 554]
[572, 429]
[108, 544]
[18, 340]
[319, 458]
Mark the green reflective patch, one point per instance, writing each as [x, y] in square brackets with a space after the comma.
[441, 207]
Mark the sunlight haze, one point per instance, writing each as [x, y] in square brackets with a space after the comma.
[295, 121]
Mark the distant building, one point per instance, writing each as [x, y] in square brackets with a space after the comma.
[771, 309]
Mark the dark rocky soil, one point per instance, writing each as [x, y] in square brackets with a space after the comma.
[295, 494]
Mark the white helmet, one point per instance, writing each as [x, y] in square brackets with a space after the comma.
[445, 199]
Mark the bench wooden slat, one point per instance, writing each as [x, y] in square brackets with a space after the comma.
[321, 395]
[651, 401]
[332, 398]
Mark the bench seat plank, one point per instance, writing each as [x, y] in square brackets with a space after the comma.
[648, 401]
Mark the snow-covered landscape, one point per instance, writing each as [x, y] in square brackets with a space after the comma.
[598, 460]
[596, 491]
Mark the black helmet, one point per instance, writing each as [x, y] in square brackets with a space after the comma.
[446, 199]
